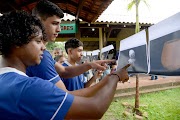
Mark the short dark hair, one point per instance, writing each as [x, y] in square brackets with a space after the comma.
[45, 9]
[72, 43]
[16, 29]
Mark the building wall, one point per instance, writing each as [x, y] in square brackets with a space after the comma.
[124, 33]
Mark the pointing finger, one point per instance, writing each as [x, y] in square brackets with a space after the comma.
[125, 67]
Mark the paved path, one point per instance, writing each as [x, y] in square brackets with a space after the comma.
[145, 80]
[146, 85]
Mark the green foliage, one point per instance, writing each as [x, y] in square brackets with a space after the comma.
[162, 105]
[133, 2]
[136, 3]
[52, 45]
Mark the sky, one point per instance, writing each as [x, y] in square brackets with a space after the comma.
[157, 11]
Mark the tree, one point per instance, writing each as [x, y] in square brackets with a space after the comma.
[137, 29]
[52, 45]
[136, 3]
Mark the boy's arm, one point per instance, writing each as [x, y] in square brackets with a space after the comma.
[95, 106]
[71, 71]
[86, 92]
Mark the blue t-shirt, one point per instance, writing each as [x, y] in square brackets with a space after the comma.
[24, 98]
[74, 83]
[45, 70]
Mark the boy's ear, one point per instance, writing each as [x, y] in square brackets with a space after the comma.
[69, 51]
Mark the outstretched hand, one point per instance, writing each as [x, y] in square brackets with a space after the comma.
[100, 64]
[123, 74]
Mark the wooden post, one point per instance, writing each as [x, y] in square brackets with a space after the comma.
[78, 33]
[100, 42]
[136, 109]
[104, 38]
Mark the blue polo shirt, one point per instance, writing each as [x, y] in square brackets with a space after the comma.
[24, 98]
[74, 83]
[45, 70]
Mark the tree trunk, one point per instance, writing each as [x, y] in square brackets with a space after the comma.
[137, 29]
[136, 109]
[137, 92]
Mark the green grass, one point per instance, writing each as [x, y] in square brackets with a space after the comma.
[162, 105]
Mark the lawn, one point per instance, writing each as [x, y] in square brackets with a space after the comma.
[162, 105]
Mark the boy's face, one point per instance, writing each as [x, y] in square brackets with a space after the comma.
[52, 27]
[76, 53]
[57, 52]
[32, 56]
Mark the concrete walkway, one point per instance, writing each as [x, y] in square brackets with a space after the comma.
[146, 85]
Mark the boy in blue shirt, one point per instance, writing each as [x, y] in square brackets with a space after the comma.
[50, 15]
[23, 97]
[74, 49]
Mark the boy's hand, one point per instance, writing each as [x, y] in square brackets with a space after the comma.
[100, 64]
[123, 74]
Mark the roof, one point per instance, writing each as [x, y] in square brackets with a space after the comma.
[87, 10]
